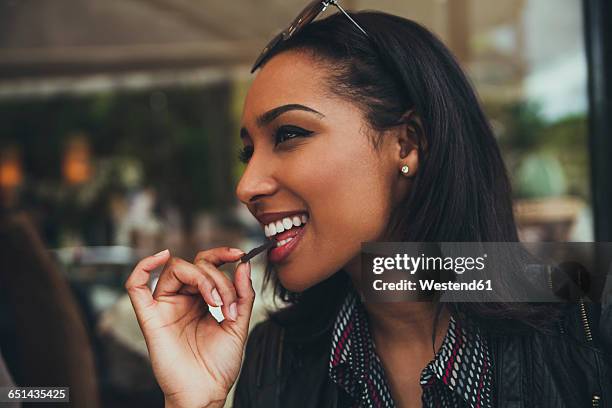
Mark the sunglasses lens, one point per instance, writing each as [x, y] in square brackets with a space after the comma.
[310, 12]
[266, 51]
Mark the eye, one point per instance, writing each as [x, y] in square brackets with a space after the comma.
[244, 154]
[284, 133]
[281, 135]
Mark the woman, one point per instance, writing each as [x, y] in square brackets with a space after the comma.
[360, 129]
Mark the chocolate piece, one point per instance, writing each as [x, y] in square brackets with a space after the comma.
[256, 251]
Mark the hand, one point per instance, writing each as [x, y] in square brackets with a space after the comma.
[195, 359]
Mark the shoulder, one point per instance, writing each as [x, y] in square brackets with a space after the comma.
[278, 337]
[285, 335]
[582, 329]
[259, 360]
[588, 324]
[262, 350]
[296, 335]
[263, 335]
[275, 352]
[567, 362]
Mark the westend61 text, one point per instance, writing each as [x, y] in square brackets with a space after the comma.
[429, 284]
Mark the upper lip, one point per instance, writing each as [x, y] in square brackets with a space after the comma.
[267, 218]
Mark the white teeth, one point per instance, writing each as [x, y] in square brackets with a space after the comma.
[283, 242]
[285, 224]
[272, 229]
[279, 227]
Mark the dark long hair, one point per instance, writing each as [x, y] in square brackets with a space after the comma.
[461, 192]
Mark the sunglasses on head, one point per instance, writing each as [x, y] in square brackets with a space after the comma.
[310, 12]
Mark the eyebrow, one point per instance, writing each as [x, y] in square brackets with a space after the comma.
[272, 114]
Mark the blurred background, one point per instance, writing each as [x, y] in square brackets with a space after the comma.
[119, 136]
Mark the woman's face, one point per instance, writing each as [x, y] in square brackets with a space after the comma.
[312, 155]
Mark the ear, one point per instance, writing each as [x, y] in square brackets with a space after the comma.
[409, 140]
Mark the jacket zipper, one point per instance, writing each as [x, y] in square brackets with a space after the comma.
[585, 321]
[583, 313]
[596, 398]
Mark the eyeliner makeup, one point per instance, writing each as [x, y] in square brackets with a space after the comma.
[256, 251]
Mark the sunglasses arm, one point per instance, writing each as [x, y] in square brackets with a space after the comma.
[335, 3]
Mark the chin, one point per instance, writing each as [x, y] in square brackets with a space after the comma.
[294, 285]
[296, 281]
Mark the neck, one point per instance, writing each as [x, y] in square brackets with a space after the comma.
[407, 324]
[403, 324]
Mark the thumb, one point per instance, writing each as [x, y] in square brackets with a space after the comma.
[246, 297]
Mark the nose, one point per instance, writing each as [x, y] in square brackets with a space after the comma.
[256, 181]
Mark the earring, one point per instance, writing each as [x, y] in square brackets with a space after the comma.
[405, 170]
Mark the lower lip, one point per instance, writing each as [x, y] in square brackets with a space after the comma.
[280, 253]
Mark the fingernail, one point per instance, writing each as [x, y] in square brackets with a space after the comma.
[233, 312]
[248, 269]
[160, 253]
[236, 251]
[216, 297]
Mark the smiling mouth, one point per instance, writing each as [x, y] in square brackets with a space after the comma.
[285, 229]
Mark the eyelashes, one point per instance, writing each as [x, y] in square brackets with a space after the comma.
[244, 154]
[282, 134]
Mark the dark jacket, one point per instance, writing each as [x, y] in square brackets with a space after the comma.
[287, 366]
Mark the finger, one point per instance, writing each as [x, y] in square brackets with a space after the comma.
[178, 275]
[220, 255]
[189, 290]
[137, 283]
[209, 260]
[224, 288]
[246, 296]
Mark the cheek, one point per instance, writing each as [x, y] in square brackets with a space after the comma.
[347, 196]
[347, 192]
